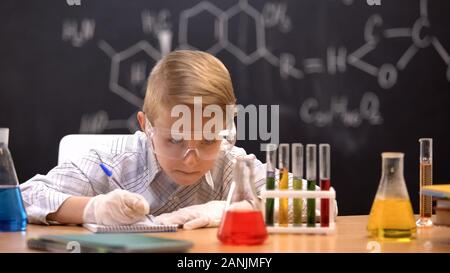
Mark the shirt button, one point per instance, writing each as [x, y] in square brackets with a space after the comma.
[175, 199]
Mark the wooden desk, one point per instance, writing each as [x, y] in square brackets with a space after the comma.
[350, 236]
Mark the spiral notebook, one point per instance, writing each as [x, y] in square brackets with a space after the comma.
[139, 227]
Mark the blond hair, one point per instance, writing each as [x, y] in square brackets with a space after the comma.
[182, 75]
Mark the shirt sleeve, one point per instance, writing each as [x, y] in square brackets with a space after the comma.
[44, 194]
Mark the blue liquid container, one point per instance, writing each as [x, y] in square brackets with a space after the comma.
[12, 211]
[13, 216]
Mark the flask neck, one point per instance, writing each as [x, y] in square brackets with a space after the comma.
[392, 167]
[8, 176]
[244, 180]
[392, 183]
[4, 136]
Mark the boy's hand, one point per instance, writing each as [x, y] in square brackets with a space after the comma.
[118, 207]
[197, 216]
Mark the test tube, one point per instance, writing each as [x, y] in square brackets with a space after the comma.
[283, 165]
[297, 170]
[311, 176]
[325, 183]
[271, 160]
[426, 179]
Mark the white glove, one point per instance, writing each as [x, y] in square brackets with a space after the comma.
[119, 207]
[197, 216]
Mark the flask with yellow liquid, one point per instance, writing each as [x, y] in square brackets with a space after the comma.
[391, 216]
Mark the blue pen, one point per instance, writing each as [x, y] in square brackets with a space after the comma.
[108, 173]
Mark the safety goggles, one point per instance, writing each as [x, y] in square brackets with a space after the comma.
[177, 145]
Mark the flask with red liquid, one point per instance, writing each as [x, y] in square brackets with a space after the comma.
[242, 222]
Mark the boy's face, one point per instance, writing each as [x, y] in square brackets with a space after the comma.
[184, 171]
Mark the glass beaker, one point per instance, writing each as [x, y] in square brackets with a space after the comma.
[426, 179]
[12, 212]
[242, 221]
[391, 216]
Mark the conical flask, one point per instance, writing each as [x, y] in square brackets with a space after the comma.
[391, 216]
[12, 211]
[242, 222]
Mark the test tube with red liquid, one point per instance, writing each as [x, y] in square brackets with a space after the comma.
[325, 183]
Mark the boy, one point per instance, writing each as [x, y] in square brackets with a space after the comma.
[153, 172]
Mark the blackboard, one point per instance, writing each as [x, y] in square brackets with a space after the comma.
[365, 76]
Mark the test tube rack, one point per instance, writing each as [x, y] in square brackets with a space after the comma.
[304, 194]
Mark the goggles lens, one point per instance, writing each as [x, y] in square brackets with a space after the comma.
[177, 145]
